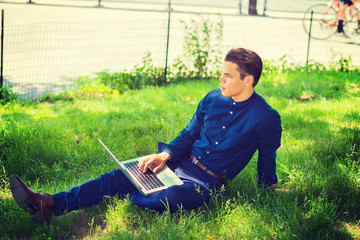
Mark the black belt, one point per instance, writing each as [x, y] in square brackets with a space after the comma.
[205, 169]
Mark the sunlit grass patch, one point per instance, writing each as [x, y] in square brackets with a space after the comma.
[53, 146]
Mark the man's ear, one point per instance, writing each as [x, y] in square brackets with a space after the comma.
[249, 80]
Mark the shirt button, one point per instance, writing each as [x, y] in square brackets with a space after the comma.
[234, 103]
[231, 112]
[208, 152]
[223, 127]
[199, 157]
[216, 143]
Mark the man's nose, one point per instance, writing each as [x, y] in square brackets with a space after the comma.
[222, 79]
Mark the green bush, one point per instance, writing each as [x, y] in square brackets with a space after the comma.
[7, 95]
[201, 60]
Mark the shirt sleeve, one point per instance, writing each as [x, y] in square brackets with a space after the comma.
[268, 140]
[182, 144]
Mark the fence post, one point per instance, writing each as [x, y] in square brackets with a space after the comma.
[2, 47]
[308, 48]
[167, 41]
[240, 6]
[265, 3]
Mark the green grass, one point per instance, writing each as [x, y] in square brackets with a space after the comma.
[53, 146]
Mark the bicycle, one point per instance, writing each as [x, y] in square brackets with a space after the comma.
[324, 19]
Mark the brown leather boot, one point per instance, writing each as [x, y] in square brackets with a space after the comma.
[40, 206]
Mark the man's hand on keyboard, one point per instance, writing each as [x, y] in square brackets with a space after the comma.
[155, 162]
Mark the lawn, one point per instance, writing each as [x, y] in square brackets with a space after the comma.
[53, 146]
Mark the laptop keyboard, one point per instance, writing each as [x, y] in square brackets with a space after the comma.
[149, 180]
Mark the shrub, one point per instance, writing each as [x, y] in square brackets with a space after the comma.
[7, 95]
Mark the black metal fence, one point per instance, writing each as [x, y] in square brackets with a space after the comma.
[43, 57]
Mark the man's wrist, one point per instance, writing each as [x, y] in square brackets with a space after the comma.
[165, 156]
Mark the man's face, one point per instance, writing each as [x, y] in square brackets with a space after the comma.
[231, 83]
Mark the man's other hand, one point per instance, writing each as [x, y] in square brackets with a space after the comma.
[155, 162]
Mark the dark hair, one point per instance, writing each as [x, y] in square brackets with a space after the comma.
[248, 62]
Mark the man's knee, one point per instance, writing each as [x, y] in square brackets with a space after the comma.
[188, 197]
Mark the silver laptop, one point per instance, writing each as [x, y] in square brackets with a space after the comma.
[149, 182]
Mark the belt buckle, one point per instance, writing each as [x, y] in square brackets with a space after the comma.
[193, 160]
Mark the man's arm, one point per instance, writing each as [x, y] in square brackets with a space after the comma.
[269, 140]
[182, 144]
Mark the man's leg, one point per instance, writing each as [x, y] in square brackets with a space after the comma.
[354, 10]
[93, 192]
[42, 205]
[188, 196]
[341, 17]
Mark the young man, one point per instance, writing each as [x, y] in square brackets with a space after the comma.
[345, 4]
[229, 125]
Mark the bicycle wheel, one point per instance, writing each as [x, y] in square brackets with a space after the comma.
[350, 24]
[324, 21]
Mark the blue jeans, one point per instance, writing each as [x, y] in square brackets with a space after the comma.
[190, 195]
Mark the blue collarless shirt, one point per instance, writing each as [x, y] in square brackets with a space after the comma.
[224, 135]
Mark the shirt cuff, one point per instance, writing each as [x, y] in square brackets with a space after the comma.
[163, 147]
